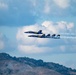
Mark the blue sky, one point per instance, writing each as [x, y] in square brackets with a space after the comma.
[52, 16]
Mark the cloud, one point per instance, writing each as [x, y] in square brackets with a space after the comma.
[18, 13]
[40, 45]
[58, 27]
[21, 36]
[50, 26]
[62, 3]
[6, 45]
[1, 45]
[32, 49]
[47, 7]
[28, 12]
[2, 41]
[3, 5]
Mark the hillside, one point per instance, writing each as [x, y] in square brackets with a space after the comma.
[27, 66]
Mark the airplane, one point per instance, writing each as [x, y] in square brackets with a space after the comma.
[33, 32]
[54, 36]
[38, 36]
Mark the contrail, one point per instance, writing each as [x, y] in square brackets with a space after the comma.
[68, 35]
[65, 37]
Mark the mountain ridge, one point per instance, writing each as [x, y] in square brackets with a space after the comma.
[29, 66]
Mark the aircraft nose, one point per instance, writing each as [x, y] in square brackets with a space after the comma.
[25, 32]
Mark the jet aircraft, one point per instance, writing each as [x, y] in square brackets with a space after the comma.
[54, 36]
[33, 32]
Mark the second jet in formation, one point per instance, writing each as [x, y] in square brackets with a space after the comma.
[54, 36]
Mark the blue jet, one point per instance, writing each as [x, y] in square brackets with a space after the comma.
[33, 32]
[54, 36]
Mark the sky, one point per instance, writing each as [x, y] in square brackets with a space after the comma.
[50, 16]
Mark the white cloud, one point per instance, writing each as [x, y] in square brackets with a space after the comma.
[58, 27]
[65, 27]
[27, 44]
[70, 26]
[47, 7]
[6, 45]
[29, 49]
[41, 7]
[50, 26]
[62, 3]
[62, 48]
[2, 42]
[3, 5]
[27, 40]
[34, 2]
[40, 45]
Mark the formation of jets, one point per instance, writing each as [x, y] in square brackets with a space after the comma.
[54, 36]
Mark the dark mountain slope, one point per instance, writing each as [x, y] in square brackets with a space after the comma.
[28, 66]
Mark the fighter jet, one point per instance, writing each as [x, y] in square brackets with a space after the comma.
[33, 32]
[54, 36]
[38, 36]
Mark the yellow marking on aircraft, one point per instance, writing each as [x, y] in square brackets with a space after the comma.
[35, 32]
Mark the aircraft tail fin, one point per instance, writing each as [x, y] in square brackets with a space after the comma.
[58, 35]
[48, 34]
[43, 35]
[53, 35]
[40, 31]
